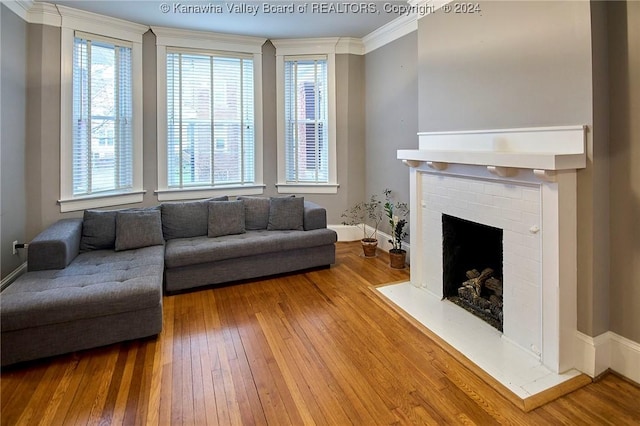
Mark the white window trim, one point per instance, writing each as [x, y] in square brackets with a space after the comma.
[173, 38]
[76, 20]
[302, 47]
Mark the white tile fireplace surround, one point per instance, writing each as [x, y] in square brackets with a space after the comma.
[522, 181]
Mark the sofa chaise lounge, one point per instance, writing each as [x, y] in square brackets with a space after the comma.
[99, 280]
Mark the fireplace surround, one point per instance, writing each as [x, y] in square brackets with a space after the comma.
[522, 181]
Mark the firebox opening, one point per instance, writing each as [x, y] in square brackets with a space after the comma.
[472, 267]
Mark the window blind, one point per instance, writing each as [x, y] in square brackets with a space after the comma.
[210, 120]
[102, 112]
[306, 127]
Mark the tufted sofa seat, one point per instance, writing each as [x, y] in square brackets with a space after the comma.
[100, 297]
[191, 251]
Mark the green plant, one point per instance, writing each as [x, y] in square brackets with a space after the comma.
[365, 213]
[396, 213]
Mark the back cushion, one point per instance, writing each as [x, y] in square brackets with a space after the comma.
[187, 219]
[137, 229]
[226, 218]
[256, 212]
[286, 213]
[98, 230]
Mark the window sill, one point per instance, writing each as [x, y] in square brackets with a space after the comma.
[208, 192]
[97, 201]
[307, 188]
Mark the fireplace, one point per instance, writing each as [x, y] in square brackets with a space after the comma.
[515, 190]
[472, 268]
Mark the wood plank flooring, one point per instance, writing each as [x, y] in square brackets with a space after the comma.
[314, 348]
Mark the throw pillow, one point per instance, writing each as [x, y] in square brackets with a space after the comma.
[186, 219]
[226, 218]
[98, 230]
[256, 212]
[286, 213]
[137, 229]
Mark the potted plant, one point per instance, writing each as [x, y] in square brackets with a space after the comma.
[396, 213]
[367, 215]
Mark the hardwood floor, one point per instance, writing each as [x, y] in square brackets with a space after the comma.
[314, 348]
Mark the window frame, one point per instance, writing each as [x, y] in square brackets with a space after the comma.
[73, 21]
[300, 48]
[207, 43]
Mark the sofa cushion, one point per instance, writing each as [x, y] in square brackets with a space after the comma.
[286, 213]
[95, 284]
[256, 212]
[98, 230]
[192, 251]
[226, 218]
[186, 219]
[137, 229]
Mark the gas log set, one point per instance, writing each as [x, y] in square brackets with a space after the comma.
[481, 294]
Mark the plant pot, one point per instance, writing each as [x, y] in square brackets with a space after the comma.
[369, 246]
[397, 258]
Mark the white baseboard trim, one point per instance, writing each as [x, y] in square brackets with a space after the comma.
[347, 232]
[354, 233]
[6, 281]
[625, 357]
[594, 355]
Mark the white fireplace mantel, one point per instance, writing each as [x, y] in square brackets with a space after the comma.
[523, 181]
[542, 149]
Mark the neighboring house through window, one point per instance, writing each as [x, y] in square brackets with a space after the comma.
[209, 114]
[101, 128]
[306, 116]
[102, 116]
[210, 104]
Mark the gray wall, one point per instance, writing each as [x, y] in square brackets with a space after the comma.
[517, 64]
[526, 64]
[43, 147]
[391, 115]
[593, 190]
[624, 69]
[43, 133]
[13, 86]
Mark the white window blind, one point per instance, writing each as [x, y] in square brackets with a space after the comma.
[210, 119]
[306, 126]
[102, 112]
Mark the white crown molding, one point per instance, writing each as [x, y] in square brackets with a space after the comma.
[402, 25]
[390, 32]
[207, 40]
[324, 45]
[350, 46]
[306, 46]
[44, 14]
[36, 12]
[61, 16]
[19, 7]
[101, 24]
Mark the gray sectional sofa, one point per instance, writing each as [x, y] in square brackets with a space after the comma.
[99, 280]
